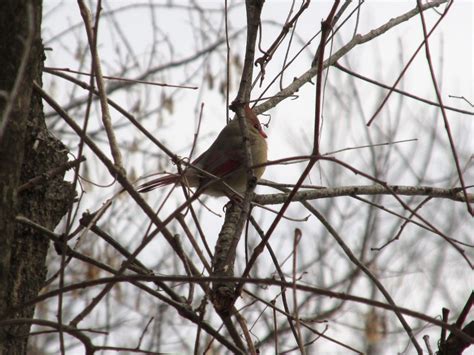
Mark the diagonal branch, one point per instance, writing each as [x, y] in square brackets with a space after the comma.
[306, 77]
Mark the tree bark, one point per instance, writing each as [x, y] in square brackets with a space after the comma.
[26, 151]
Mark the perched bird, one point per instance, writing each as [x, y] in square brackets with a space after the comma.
[224, 159]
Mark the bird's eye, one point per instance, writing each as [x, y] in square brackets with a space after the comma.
[256, 126]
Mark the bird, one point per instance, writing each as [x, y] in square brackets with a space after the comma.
[222, 165]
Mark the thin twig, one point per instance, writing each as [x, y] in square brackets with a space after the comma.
[106, 119]
[441, 104]
[404, 93]
[49, 174]
[132, 81]
[410, 61]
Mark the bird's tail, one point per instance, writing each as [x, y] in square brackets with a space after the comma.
[159, 182]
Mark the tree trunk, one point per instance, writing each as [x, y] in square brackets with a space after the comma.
[26, 150]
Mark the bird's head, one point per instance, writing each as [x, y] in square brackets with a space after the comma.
[253, 121]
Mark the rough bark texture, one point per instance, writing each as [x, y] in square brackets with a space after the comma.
[223, 262]
[26, 150]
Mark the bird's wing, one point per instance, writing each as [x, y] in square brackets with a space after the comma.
[225, 155]
[219, 163]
